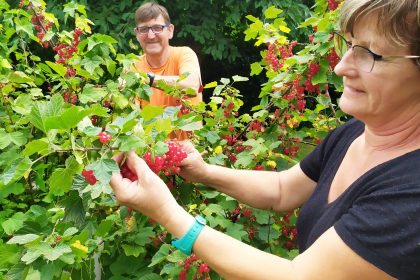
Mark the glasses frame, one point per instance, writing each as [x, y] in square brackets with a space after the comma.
[375, 56]
[151, 28]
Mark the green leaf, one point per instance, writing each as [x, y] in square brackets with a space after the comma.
[9, 255]
[168, 267]
[164, 125]
[212, 208]
[90, 63]
[92, 94]
[151, 112]
[264, 233]
[17, 170]
[161, 148]
[31, 255]
[134, 250]
[244, 159]
[322, 37]
[25, 25]
[212, 136]
[23, 239]
[256, 69]
[142, 238]
[103, 169]
[41, 110]
[14, 223]
[19, 77]
[16, 137]
[103, 228]
[57, 67]
[17, 272]
[51, 253]
[211, 85]
[324, 101]
[129, 142]
[262, 216]
[177, 256]
[68, 119]
[160, 255]
[74, 211]
[218, 159]
[272, 12]
[35, 146]
[237, 78]
[63, 177]
[236, 231]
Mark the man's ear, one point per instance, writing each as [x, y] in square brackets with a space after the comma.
[171, 28]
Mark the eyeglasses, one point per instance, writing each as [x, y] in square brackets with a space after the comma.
[363, 57]
[156, 29]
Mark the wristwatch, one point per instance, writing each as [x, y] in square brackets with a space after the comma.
[151, 76]
[185, 244]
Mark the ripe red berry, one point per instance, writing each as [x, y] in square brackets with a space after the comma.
[129, 209]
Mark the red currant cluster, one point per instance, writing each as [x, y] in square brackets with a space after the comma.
[333, 58]
[291, 151]
[231, 129]
[250, 230]
[65, 52]
[203, 268]
[231, 139]
[88, 174]
[94, 119]
[312, 71]
[41, 26]
[288, 230]
[187, 264]
[317, 140]
[255, 126]
[107, 103]
[333, 4]
[127, 173]
[152, 222]
[67, 98]
[169, 161]
[227, 111]
[259, 168]
[232, 158]
[159, 239]
[104, 137]
[274, 51]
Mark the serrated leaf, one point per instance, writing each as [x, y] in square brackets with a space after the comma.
[41, 110]
[177, 256]
[22, 239]
[51, 253]
[212, 208]
[160, 148]
[211, 85]
[268, 233]
[256, 69]
[68, 119]
[103, 169]
[19, 77]
[244, 159]
[160, 255]
[163, 125]
[134, 250]
[17, 137]
[16, 171]
[211, 136]
[63, 177]
[151, 112]
[74, 211]
[35, 146]
[237, 78]
[103, 228]
[9, 255]
[13, 223]
[142, 238]
[25, 25]
[272, 12]
[58, 68]
[168, 268]
[129, 142]
[236, 231]
[17, 272]
[90, 63]
[70, 231]
[92, 94]
[31, 255]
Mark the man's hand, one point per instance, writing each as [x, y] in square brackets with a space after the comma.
[149, 194]
[193, 168]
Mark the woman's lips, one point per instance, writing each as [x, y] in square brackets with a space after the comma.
[353, 90]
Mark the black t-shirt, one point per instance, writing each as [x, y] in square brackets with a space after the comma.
[378, 216]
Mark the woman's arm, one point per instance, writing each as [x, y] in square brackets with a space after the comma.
[280, 191]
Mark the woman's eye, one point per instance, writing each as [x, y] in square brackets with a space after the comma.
[349, 43]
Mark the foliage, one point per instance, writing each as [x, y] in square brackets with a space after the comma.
[54, 222]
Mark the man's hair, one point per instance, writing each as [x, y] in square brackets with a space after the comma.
[398, 21]
[151, 10]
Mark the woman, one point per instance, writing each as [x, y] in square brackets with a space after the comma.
[360, 188]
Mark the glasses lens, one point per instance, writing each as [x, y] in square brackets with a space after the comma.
[363, 59]
[340, 45]
[143, 29]
[157, 28]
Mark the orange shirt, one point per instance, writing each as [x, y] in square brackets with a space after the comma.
[181, 60]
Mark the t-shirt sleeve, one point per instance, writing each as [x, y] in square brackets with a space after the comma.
[188, 62]
[383, 228]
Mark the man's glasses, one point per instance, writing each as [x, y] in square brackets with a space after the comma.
[363, 57]
[156, 29]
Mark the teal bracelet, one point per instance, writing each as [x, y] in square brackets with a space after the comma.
[186, 242]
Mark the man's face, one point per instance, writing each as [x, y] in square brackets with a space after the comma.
[155, 44]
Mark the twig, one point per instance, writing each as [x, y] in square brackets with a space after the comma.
[7, 107]
[268, 237]
[83, 149]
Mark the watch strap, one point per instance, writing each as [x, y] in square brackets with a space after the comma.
[186, 242]
[151, 78]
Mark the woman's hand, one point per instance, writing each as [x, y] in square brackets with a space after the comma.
[149, 194]
[193, 168]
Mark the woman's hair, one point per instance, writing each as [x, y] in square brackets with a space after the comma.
[149, 11]
[398, 20]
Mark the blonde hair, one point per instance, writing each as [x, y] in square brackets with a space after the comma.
[149, 11]
[398, 20]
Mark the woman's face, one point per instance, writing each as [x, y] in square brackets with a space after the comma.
[388, 94]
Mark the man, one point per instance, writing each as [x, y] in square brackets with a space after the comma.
[162, 61]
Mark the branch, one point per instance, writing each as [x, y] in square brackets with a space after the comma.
[268, 237]
[7, 108]
[83, 149]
